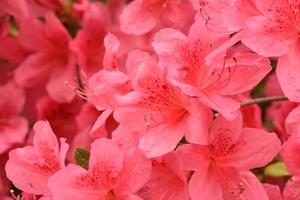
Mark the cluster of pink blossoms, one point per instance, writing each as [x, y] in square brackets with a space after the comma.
[149, 99]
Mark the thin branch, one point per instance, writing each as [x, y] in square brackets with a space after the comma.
[263, 100]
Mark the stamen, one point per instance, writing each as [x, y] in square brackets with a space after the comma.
[79, 91]
[18, 197]
[150, 122]
[231, 190]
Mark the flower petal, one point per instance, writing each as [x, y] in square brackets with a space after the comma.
[287, 73]
[256, 149]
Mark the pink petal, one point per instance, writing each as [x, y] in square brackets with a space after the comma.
[236, 16]
[225, 105]
[137, 171]
[292, 122]
[56, 34]
[129, 99]
[246, 65]
[256, 149]
[22, 170]
[198, 122]
[67, 184]
[291, 190]
[12, 133]
[104, 85]
[34, 70]
[19, 8]
[112, 45]
[269, 44]
[44, 139]
[165, 185]
[11, 103]
[132, 197]
[204, 185]
[99, 130]
[287, 70]
[212, 38]
[253, 189]
[289, 152]
[273, 191]
[223, 128]
[137, 20]
[139, 64]
[167, 43]
[161, 139]
[105, 153]
[194, 157]
[63, 152]
[57, 88]
[32, 35]
[264, 6]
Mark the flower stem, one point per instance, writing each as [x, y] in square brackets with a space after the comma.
[263, 100]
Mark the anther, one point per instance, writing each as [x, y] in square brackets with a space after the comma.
[148, 124]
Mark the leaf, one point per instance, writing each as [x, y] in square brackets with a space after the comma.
[276, 170]
[82, 157]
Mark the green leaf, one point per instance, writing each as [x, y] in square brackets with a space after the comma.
[82, 157]
[276, 170]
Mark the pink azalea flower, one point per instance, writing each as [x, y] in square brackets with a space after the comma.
[159, 110]
[30, 167]
[13, 128]
[212, 84]
[141, 16]
[276, 33]
[51, 59]
[221, 167]
[112, 174]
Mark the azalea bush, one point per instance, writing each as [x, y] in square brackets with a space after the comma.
[149, 100]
